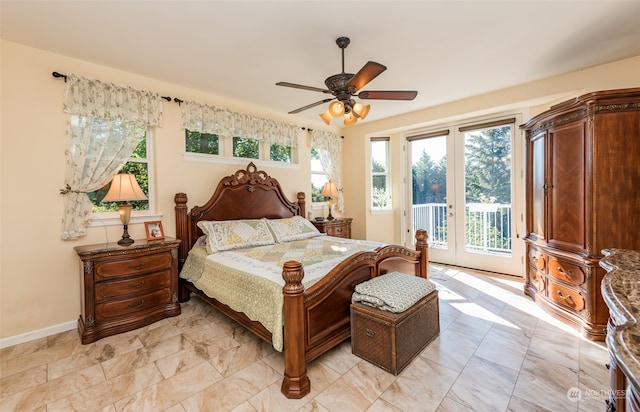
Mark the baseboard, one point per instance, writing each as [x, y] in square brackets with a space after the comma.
[37, 334]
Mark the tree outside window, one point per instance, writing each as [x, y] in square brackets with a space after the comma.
[197, 142]
[380, 189]
[243, 147]
[279, 153]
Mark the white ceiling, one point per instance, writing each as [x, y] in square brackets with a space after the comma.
[446, 50]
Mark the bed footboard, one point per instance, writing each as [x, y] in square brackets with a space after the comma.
[318, 319]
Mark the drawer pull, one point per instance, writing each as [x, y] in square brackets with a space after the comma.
[562, 272]
[608, 366]
[136, 267]
[566, 298]
[139, 305]
[371, 333]
[138, 286]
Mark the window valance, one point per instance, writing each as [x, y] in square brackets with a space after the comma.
[202, 118]
[95, 98]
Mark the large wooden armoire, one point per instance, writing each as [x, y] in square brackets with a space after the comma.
[583, 195]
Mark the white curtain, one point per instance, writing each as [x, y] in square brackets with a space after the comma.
[107, 122]
[329, 147]
[202, 118]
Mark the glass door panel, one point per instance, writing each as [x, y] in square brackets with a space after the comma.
[461, 193]
[429, 208]
[488, 230]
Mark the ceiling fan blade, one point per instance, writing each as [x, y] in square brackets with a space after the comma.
[369, 71]
[389, 95]
[309, 106]
[299, 86]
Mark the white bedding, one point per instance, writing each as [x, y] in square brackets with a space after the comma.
[250, 280]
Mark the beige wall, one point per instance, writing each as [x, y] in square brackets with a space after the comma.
[40, 274]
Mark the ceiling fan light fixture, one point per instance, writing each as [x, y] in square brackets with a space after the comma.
[350, 119]
[361, 110]
[344, 87]
[336, 109]
[326, 117]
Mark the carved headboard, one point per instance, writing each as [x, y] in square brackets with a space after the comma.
[246, 194]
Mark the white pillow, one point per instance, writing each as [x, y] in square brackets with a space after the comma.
[235, 234]
[292, 228]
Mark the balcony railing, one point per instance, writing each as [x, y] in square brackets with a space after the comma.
[487, 226]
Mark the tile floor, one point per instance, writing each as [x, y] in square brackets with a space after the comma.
[496, 352]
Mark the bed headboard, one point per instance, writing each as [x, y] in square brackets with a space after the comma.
[246, 194]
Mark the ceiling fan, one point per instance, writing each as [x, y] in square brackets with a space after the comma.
[345, 86]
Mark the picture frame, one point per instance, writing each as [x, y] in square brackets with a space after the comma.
[154, 230]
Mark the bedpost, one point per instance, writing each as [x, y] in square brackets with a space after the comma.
[182, 229]
[423, 248]
[301, 203]
[296, 383]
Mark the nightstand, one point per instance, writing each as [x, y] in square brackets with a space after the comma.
[336, 227]
[127, 287]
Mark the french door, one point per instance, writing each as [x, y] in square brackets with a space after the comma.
[462, 192]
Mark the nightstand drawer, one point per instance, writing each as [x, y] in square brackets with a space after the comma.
[133, 286]
[128, 267]
[119, 308]
[337, 227]
[337, 231]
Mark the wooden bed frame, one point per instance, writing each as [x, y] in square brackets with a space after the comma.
[316, 319]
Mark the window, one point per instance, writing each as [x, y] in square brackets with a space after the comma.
[280, 153]
[138, 165]
[203, 144]
[318, 177]
[206, 143]
[218, 135]
[243, 147]
[380, 190]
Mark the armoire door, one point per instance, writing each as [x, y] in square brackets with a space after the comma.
[566, 187]
[538, 186]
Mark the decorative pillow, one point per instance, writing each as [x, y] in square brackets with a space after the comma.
[235, 234]
[394, 291]
[292, 228]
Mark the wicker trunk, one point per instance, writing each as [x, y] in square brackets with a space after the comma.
[392, 340]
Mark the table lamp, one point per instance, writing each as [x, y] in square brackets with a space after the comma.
[124, 187]
[329, 191]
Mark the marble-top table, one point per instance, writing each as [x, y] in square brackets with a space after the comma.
[621, 293]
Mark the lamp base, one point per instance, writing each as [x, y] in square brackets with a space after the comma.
[330, 217]
[126, 239]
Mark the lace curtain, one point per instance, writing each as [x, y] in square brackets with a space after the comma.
[201, 118]
[329, 147]
[107, 122]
